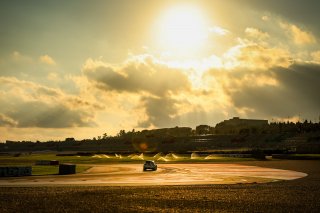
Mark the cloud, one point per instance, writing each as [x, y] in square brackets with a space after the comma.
[256, 33]
[299, 36]
[161, 112]
[277, 92]
[44, 115]
[153, 81]
[7, 121]
[16, 56]
[27, 104]
[256, 56]
[140, 74]
[32, 69]
[218, 30]
[47, 60]
[316, 56]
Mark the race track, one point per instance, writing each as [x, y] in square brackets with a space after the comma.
[167, 174]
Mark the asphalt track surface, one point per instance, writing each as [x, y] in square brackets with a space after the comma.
[298, 195]
[167, 174]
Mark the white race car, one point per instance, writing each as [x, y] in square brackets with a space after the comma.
[150, 165]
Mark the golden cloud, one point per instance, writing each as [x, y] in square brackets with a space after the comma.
[139, 74]
[256, 33]
[7, 121]
[299, 36]
[27, 104]
[275, 92]
[316, 56]
[47, 60]
[256, 56]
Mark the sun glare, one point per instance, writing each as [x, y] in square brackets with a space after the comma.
[182, 29]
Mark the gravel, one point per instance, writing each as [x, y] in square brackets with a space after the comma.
[301, 195]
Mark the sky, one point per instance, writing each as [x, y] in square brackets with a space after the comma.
[82, 68]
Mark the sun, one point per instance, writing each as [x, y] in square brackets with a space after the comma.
[182, 29]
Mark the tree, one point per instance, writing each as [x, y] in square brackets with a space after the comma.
[122, 133]
[104, 136]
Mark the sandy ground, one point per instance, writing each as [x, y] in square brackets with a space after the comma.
[167, 174]
[299, 195]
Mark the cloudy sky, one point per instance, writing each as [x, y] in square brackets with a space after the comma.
[80, 68]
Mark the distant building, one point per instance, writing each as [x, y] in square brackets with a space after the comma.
[70, 140]
[237, 125]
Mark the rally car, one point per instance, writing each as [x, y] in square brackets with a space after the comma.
[150, 165]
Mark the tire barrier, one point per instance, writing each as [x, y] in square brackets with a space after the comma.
[15, 171]
[47, 162]
[67, 169]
